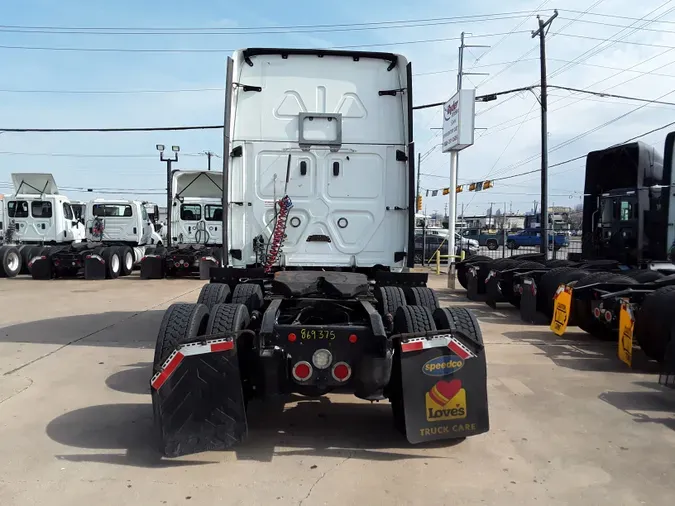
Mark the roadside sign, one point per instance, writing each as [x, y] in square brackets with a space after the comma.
[562, 307]
[458, 121]
[626, 327]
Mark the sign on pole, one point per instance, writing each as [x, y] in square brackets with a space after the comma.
[458, 121]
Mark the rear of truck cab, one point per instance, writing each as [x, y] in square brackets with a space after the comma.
[338, 145]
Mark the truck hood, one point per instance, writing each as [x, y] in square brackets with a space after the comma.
[198, 184]
[34, 183]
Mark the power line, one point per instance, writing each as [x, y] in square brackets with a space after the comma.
[633, 43]
[275, 27]
[211, 50]
[605, 15]
[251, 30]
[127, 129]
[655, 30]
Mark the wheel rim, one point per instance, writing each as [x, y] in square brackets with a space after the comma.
[115, 263]
[13, 261]
[129, 260]
[418, 259]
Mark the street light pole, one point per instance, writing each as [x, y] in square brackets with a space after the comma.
[169, 196]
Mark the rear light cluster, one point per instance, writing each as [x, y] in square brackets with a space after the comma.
[599, 313]
[321, 360]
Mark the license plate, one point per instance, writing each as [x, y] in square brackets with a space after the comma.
[562, 304]
[317, 334]
[626, 327]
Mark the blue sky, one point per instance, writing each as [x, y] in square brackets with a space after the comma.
[510, 137]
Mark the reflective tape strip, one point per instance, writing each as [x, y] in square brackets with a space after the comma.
[423, 343]
[188, 350]
[442, 341]
[460, 350]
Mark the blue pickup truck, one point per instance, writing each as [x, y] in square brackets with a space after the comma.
[532, 237]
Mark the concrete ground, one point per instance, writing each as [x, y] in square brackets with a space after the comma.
[570, 424]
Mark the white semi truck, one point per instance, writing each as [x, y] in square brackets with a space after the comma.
[196, 227]
[316, 294]
[118, 234]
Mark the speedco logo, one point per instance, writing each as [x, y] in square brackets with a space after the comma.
[443, 366]
[450, 110]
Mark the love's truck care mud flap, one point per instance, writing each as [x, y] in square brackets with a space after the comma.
[444, 387]
[198, 400]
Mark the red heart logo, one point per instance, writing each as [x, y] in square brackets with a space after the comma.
[444, 391]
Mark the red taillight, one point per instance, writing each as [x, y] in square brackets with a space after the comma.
[608, 316]
[596, 312]
[353, 338]
[292, 337]
[302, 371]
[57, 263]
[342, 371]
[178, 264]
[533, 289]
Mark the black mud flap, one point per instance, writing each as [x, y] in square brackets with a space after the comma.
[152, 267]
[94, 267]
[41, 267]
[444, 388]
[529, 311]
[493, 291]
[473, 290]
[198, 402]
[205, 266]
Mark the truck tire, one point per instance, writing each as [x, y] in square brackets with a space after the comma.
[10, 261]
[227, 318]
[653, 322]
[407, 319]
[182, 323]
[113, 263]
[389, 299]
[248, 294]
[550, 281]
[421, 296]
[492, 244]
[461, 319]
[127, 260]
[213, 293]
[582, 308]
[24, 249]
[558, 263]
[644, 276]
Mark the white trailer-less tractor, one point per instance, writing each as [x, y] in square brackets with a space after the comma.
[118, 234]
[38, 220]
[317, 295]
[196, 227]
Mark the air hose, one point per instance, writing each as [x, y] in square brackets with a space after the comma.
[279, 233]
[199, 230]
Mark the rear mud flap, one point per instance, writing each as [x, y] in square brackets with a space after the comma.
[152, 267]
[94, 267]
[529, 312]
[41, 268]
[444, 388]
[198, 402]
[473, 290]
[493, 292]
[205, 266]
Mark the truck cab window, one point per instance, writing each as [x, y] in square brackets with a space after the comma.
[17, 209]
[213, 212]
[112, 210]
[40, 209]
[190, 212]
[67, 212]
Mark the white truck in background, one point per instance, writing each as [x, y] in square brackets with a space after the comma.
[119, 232]
[196, 227]
[37, 219]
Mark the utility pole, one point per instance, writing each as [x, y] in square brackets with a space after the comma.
[169, 190]
[454, 169]
[541, 32]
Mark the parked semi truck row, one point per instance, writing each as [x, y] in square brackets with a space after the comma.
[626, 264]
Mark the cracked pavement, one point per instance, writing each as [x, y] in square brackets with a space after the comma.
[569, 423]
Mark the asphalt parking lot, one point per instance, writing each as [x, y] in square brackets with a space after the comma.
[570, 424]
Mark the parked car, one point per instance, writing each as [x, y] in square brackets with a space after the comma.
[492, 241]
[532, 237]
[434, 242]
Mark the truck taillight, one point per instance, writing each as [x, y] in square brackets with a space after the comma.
[596, 312]
[302, 371]
[608, 316]
[342, 371]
